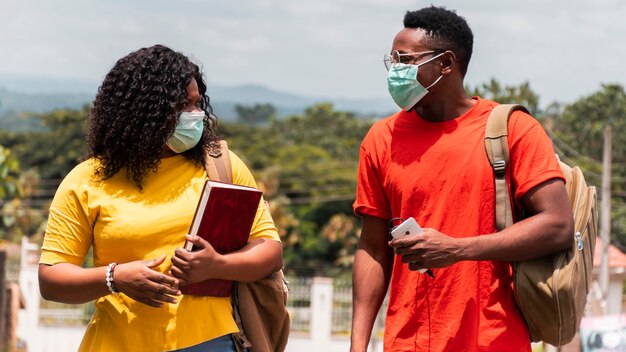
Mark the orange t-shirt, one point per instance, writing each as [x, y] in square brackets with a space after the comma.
[439, 174]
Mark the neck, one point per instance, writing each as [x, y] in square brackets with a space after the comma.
[453, 106]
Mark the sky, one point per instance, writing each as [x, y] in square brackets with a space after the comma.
[565, 49]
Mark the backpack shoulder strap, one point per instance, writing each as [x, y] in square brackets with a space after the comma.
[497, 148]
[218, 166]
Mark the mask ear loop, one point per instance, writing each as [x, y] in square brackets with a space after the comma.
[427, 61]
[435, 82]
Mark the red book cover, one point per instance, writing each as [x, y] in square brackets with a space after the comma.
[224, 218]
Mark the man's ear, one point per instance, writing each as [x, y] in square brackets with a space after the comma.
[448, 61]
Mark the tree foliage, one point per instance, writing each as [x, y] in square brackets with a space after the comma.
[14, 216]
[577, 132]
[256, 114]
[9, 172]
[48, 154]
[306, 163]
[579, 137]
[508, 94]
[55, 150]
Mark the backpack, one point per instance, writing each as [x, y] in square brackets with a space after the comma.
[551, 292]
[259, 307]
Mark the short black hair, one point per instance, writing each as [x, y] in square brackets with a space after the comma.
[446, 30]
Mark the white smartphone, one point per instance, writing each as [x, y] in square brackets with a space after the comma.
[407, 228]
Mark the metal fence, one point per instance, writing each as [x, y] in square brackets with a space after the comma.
[342, 310]
[53, 314]
[299, 304]
[342, 307]
[12, 270]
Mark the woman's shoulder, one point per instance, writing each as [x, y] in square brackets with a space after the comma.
[85, 168]
[84, 173]
[241, 172]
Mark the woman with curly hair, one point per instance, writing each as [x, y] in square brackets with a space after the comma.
[132, 200]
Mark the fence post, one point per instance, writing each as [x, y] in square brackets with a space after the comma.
[4, 333]
[321, 310]
[28, 323]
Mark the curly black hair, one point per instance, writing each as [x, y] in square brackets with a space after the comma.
[446, 30]
[128, 123]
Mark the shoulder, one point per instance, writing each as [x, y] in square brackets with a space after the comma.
[83, 173]
[520, 122]
[241, 172]
[385, 125]
[482, 108]
[235, 161]
[523, 125]
[521, 119]
[78, 184]
[381, 131]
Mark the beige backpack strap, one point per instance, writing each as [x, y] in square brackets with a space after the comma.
[218, 165]
[497, 148]
[219, 168]
[242, 343]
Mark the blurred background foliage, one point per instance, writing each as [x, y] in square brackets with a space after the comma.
[306, 164]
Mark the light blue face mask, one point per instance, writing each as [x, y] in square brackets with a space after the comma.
[188, 131]
[403, 85]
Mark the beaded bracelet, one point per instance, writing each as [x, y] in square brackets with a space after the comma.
[109, 278]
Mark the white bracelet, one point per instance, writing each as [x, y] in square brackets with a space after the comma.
[109, 278]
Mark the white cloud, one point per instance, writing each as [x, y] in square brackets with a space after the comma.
[565, 48]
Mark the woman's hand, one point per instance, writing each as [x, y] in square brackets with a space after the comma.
[191, 267]
[139, 281]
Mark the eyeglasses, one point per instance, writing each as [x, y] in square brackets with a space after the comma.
[406, 58]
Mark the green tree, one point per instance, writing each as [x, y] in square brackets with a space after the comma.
[320, 186]
[11, 209]
[9, 173]
[339, 133]
[578, 135]
[306, 165]
[53, 152]
[521, 94]
[49, 153]
[256, 114]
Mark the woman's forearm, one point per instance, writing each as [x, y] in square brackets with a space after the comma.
[72, 284]
[258, 259]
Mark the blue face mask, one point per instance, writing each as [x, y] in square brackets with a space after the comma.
[403, 85]
[188, 131]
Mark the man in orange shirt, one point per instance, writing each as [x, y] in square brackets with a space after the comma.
[428, 162]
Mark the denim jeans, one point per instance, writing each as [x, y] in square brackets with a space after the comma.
[221, 344]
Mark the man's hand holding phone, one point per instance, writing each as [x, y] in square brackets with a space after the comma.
[409, 227]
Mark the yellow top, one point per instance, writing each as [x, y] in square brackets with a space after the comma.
[123, 225]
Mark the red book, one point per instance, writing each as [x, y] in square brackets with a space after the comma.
[224, 218]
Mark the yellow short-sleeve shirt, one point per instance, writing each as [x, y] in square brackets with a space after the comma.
[123, 224]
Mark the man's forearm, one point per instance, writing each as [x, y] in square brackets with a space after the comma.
[548, 230]
[370, 281]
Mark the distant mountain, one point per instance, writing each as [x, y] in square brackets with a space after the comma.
[16, 107]
[46, 85]
[255, 93]
[293, 103]
[41, 102]
[20, 96]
